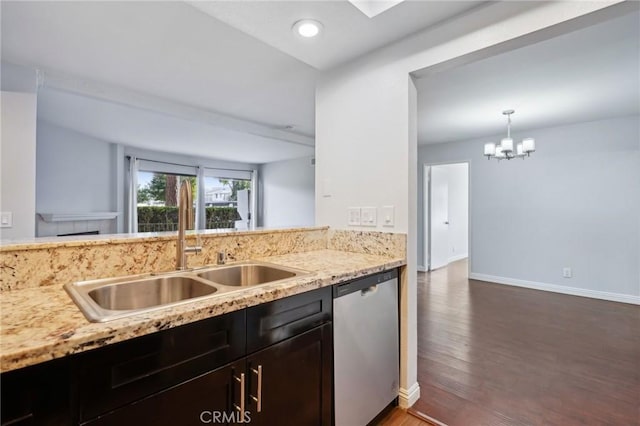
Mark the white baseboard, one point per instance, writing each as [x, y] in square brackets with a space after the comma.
[594, 294]
[408, 397]
[449, 260]
[458, 257]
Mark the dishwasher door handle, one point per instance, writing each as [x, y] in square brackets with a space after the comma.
[369, 290]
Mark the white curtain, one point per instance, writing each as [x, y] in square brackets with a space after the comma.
[201, 214]
[132, 178]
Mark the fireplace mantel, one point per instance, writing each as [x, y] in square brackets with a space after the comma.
[70, 217]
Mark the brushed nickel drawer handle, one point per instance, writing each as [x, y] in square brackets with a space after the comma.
[258, 398]
[242, 390]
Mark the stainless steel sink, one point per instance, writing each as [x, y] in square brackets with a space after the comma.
[150, 292]
[248, 274]
[112, 298]
[104, 300]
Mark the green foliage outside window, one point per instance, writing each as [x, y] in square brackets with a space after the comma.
[160, 218]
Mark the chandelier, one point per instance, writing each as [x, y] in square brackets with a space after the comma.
[504, 150]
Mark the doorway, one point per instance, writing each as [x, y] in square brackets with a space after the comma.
[446, 214]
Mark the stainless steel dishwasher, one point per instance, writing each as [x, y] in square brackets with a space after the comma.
[366, 347]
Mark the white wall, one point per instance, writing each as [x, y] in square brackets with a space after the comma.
[575, 202]
[18, 149]
[75, 173]
[287, 193]
[18, 162]
[366, 130]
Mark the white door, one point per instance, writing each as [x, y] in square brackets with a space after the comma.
[439, 235]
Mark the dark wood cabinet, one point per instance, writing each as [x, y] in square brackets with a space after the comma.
[37, 395]
[295, 386]
[281, 319]
[119, 374]
[272, 361]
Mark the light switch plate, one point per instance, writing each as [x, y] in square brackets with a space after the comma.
[387, 213]
[353, 216]
[368, 216]
[326, 188]
[6, 219]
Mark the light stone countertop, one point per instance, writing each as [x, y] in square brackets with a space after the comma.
[105, 239]
[40, 324]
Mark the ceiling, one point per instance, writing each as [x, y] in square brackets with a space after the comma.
[586, 75]
[348, 32]
[167, 50]
[234, 59]
[132, 126]
[183, 67]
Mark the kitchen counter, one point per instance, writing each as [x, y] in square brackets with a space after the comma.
[43, 323]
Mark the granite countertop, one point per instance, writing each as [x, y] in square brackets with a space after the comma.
[104, 239]
[40, 324]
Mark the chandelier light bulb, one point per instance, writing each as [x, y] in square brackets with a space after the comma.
[489, 149]
[528, 145]
[507, 145]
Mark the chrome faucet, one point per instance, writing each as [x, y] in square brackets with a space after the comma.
[221, 258]
[185, 221]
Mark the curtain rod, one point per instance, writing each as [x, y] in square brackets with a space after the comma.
[187, 165]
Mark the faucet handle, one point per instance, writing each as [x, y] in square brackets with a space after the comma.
[222, 257]
[194, 249]
[198, 244]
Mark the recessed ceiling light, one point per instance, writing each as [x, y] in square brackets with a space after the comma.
[307, 28]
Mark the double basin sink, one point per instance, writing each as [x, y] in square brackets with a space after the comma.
[112, 298]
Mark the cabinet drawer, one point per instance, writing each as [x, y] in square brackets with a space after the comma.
[192, 403]
[125, 372]
[279, 320]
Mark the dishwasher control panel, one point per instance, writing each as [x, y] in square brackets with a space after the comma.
[361, 283]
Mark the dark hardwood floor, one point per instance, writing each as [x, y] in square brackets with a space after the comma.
[490, 354]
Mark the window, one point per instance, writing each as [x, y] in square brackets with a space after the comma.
[226, 196]
[158, 197]
[226, 202]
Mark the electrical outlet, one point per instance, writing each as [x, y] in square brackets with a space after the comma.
[368, 216]
[566, 272]
[353, 216]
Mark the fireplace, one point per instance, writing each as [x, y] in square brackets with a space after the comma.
[63, 225]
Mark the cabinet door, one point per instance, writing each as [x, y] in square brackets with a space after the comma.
[296, 381]
[209, 398]
[37, 395]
